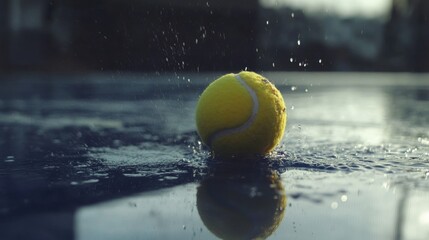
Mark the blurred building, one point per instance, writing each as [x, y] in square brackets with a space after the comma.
[407, 36]
[169, 35]
[143, 35]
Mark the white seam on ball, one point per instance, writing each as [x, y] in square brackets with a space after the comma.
[244, 126]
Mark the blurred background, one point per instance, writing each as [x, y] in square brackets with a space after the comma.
[214, 35]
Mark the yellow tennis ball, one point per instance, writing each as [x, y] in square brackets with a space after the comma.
[241, 114]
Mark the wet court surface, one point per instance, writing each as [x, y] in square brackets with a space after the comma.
[116, 156]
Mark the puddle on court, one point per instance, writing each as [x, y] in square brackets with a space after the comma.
[354, 163]
[322, 205]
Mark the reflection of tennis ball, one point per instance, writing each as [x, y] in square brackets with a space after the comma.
[241, 208]
[241, 114]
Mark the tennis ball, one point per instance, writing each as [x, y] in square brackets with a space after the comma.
[241, 114]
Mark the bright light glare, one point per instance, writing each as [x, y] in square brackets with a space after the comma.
[344, 8]
[424, 218]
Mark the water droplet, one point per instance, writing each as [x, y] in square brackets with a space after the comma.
[196, 40]
[268, 22]
[84, 182]
[184, 227]
[253, 192]
[171, 177]
[320, 60]
[334, 205]
[49, 167]
[293, 88]
[386, 185]
[291, 59]
[10, 159]
[166, 59]
[90, 181]
[298, 42]
[300, 64]
[257, 50]
[344, 198]
[207, 4]
[189, 80]
[292, 107]
[274, 64]
[306, 90]
[292, 15]
[423, 140]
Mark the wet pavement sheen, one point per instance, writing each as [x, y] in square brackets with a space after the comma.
[116, 156]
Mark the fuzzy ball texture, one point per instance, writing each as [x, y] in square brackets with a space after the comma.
[241, 114]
